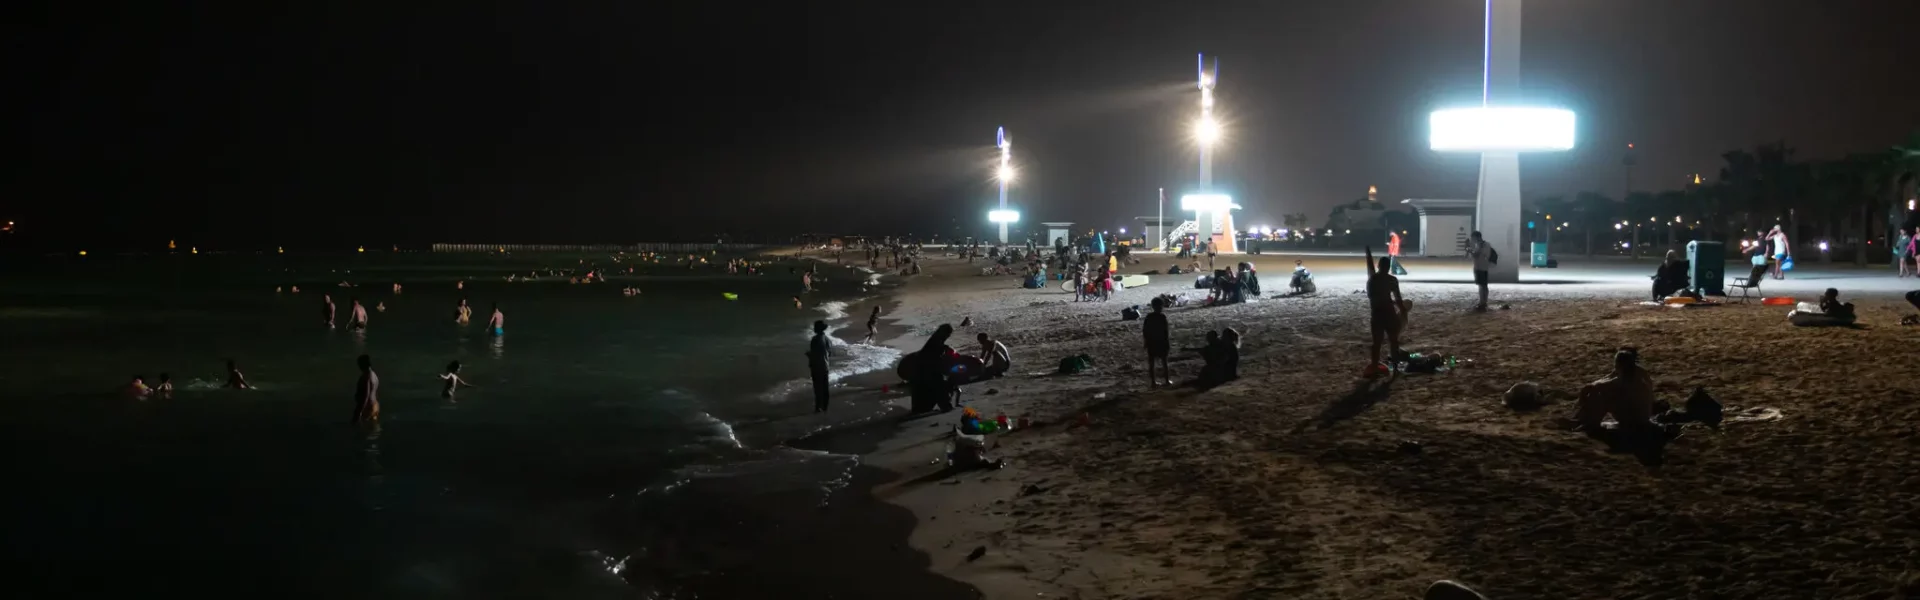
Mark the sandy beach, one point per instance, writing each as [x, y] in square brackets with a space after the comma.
[1303, 480]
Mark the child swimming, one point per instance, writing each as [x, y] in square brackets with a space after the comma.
[453, 380]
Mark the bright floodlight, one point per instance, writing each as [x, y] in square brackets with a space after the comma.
[1207, 202]
[1206, 131]
[1006, 173]
[1502, 129]
[1003, 216]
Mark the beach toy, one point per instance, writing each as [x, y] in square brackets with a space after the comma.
[730, 295]
[1680, 300]
[1777, 301]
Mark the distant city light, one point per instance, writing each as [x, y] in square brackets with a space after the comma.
[1123, 231]
[1349, 232]
[1501, 129]
[83, 253]
[1616, 226]
[1823, 246]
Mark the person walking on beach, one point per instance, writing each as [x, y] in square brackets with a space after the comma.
[1782, 251]
[817, 351]
[328, 310]
[497, 324]
[357, 318]
[873, 325]
[1159, 340]
[1913, 251]
[1482, 254]
[366, 393]
[1902, 251]
[1389, 308]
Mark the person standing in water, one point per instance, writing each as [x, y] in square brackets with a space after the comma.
[452, 379]
[234, 379]
[873, 325]
[165, 388]
[497, 324]
[328, 310]
[357, 318]
[817, 351]
[366, 393]
[463, 314]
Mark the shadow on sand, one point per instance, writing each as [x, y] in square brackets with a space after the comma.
[1365, 394]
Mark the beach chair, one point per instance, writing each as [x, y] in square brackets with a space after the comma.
[1749, 286]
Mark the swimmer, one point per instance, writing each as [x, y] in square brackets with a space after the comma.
[452, 379]
[796, 302]
[138, 389]
[366, 393]
[276, 289]
[381, 307]
[296, 289]
[234, 379]
[460, 285]
[463, 314]
[357, 319]
[498, 322]
[328, 310]
[396, 288]
[165, 388]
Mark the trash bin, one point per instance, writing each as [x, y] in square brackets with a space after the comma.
[1706, 267]
[1540, 255]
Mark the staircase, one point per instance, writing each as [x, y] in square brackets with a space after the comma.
[1173, 237]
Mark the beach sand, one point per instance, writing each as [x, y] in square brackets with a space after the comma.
[1297, 481]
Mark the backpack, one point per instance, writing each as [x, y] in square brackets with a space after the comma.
[1493, 256]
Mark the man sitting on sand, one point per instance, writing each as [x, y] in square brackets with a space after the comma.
[995, 356]
[1626, 393]
[1389, 309]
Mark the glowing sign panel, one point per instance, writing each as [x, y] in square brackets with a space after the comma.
[1207, 202]
[1501, 129]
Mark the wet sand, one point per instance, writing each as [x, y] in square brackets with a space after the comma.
[1293, 482]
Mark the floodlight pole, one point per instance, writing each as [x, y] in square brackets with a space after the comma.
[1006, 154]
[1160, 221]
[1498, 214]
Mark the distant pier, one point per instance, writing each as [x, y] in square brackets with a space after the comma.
[440, 248]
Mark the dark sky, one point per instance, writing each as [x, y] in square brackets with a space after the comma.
[371, 123]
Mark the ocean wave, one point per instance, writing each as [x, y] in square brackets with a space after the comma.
[848, 359]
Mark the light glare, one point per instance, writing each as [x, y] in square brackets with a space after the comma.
[1003, 216]
[1501, 129]
[1206, 202]
[1206, 131]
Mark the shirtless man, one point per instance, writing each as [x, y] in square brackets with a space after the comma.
[497, 324]
[1389, 308]
[328, 310]
[357, 319]
[366, 393]
[234, 379]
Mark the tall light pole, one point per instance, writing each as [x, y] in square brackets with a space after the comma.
[1206, 132]
[1005, 174]
[1160, 220]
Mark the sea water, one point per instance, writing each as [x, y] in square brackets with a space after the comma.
[557, 476]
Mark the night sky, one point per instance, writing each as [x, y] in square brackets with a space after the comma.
[316, 124]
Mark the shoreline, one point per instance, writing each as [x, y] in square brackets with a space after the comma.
[1287, 482]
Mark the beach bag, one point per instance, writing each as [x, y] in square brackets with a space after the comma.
[1130, 313]
[1075, 364]
[1786, 264]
